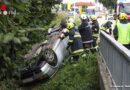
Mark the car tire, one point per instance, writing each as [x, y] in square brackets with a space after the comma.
[50, 57]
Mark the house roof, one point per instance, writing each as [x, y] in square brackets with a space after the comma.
[84, 3]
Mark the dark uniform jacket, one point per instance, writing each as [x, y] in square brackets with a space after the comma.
[106, 26]
[95, 27]
[75, 40]
[85, 31]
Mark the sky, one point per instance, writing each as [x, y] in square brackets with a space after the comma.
[72, 1]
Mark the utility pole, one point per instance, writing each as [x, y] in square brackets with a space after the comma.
[74, 9]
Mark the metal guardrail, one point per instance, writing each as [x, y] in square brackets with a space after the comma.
[117, 60]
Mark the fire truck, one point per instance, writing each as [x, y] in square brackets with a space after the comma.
[123, 6]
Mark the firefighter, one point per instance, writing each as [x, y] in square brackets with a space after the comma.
[122, 30]
[75, 41]
[116, 20]
[95, 30]
[107, 25]
[95, 26]
[66, 33]
[71, 20]
[115, 16]
[106, 15]
[85, 30]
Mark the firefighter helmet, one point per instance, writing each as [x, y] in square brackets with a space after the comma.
[123, 16]
[93, 17]
[83, 16]
[70, 25]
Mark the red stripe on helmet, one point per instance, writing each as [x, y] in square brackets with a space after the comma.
[128, 16]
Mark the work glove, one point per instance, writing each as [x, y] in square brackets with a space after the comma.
[61, 38]
[66, 34]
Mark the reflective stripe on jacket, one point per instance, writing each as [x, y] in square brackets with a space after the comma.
[75, 41]
[78, 51]
[85, 31]
[106, 26]
[95, 28]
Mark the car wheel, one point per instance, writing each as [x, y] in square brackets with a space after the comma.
[50, 57]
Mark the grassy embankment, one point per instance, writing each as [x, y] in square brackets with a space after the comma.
[82, 76]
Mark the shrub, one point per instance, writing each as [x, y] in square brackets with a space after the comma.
[19, 32]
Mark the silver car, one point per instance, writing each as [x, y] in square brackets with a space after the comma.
[47, 56]
[50, 59]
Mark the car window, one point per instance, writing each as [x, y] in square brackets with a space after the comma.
[125, 8]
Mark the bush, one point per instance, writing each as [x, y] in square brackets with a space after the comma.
[99, 17]
[19, 32]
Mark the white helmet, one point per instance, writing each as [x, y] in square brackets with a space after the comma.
[71, 20]
[83, 16]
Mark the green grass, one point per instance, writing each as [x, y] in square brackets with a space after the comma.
[84, 76]
[77, 20]
[80, 76]
[56, 20]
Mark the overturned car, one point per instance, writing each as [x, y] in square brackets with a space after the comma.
[48, 56]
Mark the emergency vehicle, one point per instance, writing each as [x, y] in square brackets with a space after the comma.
[123, 6]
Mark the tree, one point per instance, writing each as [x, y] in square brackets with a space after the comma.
[64, 7]
[19, 31]
[108, 3]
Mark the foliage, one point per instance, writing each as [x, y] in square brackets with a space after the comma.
[64, 7]
[108, 3]
[56, 20]
[99, 17]
[18, 32]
